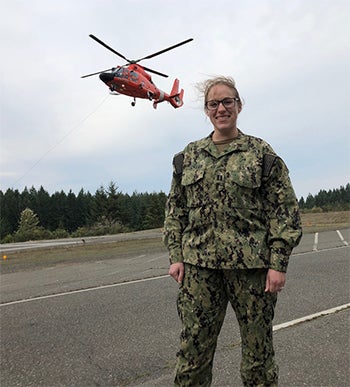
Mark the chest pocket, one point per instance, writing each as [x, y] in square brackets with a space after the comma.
[242, 186]
[193, 181]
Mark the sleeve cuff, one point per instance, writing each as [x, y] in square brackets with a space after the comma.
[279, 259]
[175, 257]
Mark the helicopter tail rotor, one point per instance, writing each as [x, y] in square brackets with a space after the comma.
[176, 97]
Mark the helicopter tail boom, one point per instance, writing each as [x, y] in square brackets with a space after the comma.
[175, 98]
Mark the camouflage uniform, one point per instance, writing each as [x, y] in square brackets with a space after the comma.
[230, 217]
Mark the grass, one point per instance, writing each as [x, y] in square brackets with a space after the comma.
[22, 260]
[323, 221]
[47, 257]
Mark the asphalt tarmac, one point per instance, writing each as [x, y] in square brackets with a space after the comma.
[114, 323]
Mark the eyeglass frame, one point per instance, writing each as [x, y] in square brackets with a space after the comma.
[222, 101]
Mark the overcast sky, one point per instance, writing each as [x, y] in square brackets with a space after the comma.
[290, 60]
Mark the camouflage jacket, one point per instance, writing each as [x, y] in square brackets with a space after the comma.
[232, 210]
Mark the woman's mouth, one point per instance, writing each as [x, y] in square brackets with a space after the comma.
[222, 117]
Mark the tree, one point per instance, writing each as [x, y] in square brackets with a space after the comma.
[72, 221]
[85, 205]
[59, 211]
[310, 201]
[9, 211]
[100, 205]
[154, 217]
[113, 214]
[43, 207]
[28, 225]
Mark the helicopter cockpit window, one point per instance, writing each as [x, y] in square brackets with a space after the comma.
[134, 76]
[119, 73]
[122, 73]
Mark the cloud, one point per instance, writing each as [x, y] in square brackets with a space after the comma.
[290, 61]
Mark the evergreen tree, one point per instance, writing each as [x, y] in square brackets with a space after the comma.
[321, 199]
[73, 213]
[10, 212]
[310, 201]
[59, 211]
[154, 217]
[100, 205]
[113, 204]
[28, 225]
[26, 199]
[42, 206]
[137, 211]
[85, 205]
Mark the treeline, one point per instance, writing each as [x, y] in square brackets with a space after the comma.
[331, 200]
[35, 214]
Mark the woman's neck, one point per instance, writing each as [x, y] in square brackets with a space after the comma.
[223, 136]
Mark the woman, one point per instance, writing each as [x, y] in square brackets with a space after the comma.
[231, 223]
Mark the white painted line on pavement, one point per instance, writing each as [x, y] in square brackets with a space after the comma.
[318, 251]
[342, 238]
[83, 290]
[164, 256]
[122, 284]
[315, 242]
[310, 317]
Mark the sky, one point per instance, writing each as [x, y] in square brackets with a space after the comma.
[290, 61]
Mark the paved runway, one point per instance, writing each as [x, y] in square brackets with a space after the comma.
[114, 323]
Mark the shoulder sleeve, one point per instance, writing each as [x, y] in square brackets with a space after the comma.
[282, 212]
[175, 212]
[178, 161]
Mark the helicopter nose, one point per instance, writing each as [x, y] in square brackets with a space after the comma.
[106, 77]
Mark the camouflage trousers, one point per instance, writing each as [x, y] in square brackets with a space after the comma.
[202, 302]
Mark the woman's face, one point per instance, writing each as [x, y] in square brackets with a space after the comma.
[224, 119]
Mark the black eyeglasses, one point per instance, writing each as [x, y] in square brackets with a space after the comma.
[227, 102]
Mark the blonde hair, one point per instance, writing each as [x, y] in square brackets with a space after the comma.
[205, 86]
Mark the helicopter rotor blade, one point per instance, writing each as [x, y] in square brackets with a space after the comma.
[155, 72]
[97, 72]
[165, 50]
[134, 61]
[109, 48]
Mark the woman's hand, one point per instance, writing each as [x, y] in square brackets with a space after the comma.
[177, 271]
[275, 281]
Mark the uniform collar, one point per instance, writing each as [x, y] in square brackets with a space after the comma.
[239, 144]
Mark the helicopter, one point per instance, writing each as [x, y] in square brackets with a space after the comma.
[133, 79]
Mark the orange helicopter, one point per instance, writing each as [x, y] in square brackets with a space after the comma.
[134, 81]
